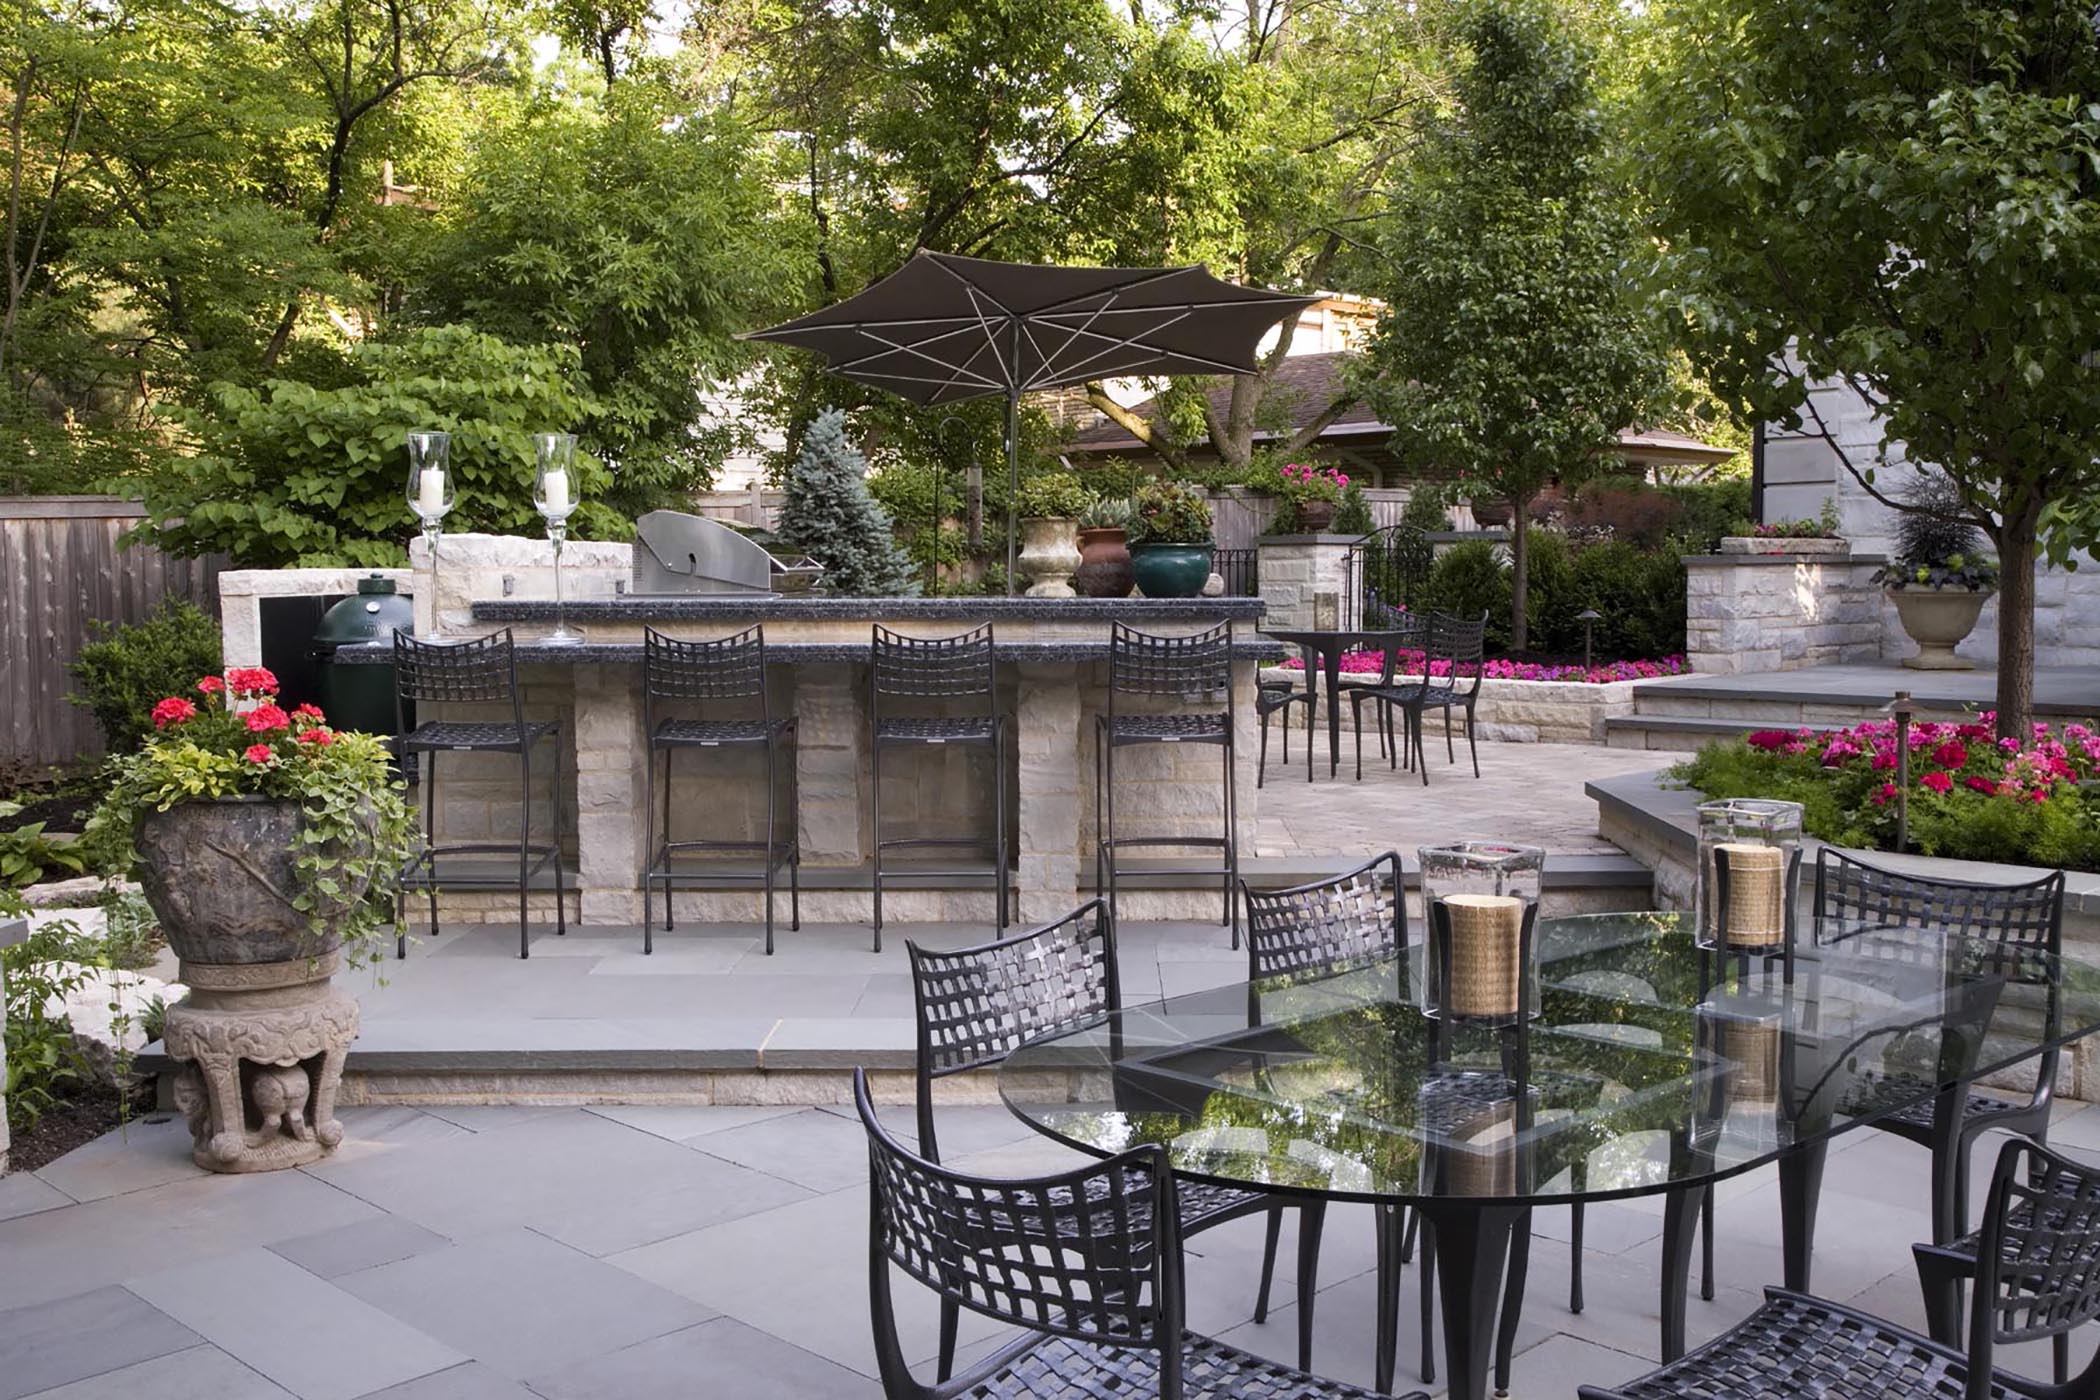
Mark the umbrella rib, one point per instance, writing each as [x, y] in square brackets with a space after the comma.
[917, 350]
[1083, 328]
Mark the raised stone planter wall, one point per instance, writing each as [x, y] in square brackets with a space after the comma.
[1523, 712]
[1780, 612]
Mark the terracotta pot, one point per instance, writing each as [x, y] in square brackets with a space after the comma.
[1048, 556]
[222, 875]
[1937, 619]
[1491, 515]
[1104, 563]
[1314, 517]
[1171, 570]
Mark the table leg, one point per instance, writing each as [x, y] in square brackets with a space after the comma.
[1331, 666]
[1680, 1224]
[1947, 1176]
[1800, 1189]
[1472, 1244]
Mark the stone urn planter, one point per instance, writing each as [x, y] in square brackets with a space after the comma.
[1491, 515]
[1316, 517]
[1048, 556]
[1171, 570]
[1938, 619]
[1104, 564]
[263, 1031]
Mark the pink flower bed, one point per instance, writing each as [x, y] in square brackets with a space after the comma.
[1360, 663]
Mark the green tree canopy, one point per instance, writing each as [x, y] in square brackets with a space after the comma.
[1516, 345]
[1902, 198]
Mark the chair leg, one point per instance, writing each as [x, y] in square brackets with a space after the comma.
[524, 837]
[1311, 714]
[1428, 1303]
[1232, 838]
[1473, 742]
[1108, 844]
[649, 853]
[1414, 718]
[669, 755]
[1386, 1345]
[1001, 901]
[561, 894]
[1271, 1236]
[1575, 1258]
[1706, 1247]
[1407, 1233]
[430, 787]
[772, 832]
[951, 1314]
[1941, 1279]
[1512, 1301]
[875, 830]
[2060, 1357]
[1312, 1219]
[795, 838]
[1261, 761]
[1450, 750]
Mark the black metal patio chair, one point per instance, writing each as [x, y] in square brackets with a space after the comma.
[975, 1006]
[1278, 697]
[1088, 1263]
[1196, 670]
[2037, 1276]
[725, 674]
[909, 678]
[479, 672]
[1460, 648]
[1853, 900]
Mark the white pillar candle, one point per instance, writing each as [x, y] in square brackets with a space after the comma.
[430, 491]
[554, 490]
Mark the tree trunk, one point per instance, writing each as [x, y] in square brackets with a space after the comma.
[2015, 541]
[1519, 571]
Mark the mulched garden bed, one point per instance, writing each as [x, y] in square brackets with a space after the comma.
[65, 1126]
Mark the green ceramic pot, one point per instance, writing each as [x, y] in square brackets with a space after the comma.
[1170, 570]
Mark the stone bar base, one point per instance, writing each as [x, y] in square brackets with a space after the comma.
[1780, 612]
[264, 1046]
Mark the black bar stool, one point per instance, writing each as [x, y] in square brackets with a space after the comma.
[908, 673]
[732, 672]
[1186, 668]
[480, 672]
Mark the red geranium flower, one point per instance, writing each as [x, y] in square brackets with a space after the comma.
[317, 736]
[1770, 740]
[263, 719]
[211, 685]
[1882, 798]
[308, 712]
[1981, 784]
[251, 680]
[173, 710]
[1952, 754]
[1938, 782]
[257, 753]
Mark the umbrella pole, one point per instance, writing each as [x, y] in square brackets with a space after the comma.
[1013, 479]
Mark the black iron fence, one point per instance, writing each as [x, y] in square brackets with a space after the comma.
[1385, 574]
[1240, 570]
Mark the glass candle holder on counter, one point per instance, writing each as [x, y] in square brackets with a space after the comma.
[1748, 876]
[554, 496]
[1480, 900]
[430, 498]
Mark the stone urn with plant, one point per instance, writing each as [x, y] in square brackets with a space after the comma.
[269, 844]
[1940, 578]
[1049, 507]
[1104, 548]
[1170, 545]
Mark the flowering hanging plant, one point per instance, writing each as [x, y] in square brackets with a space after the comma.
[1973, 796]
[231, 739]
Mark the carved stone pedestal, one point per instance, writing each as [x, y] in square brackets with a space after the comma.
[265, 1044]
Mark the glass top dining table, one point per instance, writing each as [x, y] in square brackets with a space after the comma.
[1652, 1068]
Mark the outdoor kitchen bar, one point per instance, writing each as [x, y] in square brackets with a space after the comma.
[1052, 675]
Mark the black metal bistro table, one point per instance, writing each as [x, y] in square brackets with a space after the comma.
[1650, 1070]
[1330, 644]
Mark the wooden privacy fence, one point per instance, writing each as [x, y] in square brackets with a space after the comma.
[60, 568]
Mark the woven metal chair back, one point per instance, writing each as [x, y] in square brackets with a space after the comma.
[1328, 925]
[733, 668]
[1091, 1254]
[1141, 663]
[1852, 897]
[1405, 644]
[1460, 645]
[938, 668]
[2038, 1262]
[975, 1006]
[482, 671]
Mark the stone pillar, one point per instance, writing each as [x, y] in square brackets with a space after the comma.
[1047, 738]
[611, 826]
[1779, 611]
[830, 754]
[241, 594]
[1305, 580]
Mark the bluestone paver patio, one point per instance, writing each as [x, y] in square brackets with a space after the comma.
[631, 1253]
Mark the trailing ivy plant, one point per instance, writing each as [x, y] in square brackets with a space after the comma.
[235, 741]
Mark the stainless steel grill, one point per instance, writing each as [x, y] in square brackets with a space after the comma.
[679, 554]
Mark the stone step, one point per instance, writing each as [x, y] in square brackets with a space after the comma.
[1683, 733]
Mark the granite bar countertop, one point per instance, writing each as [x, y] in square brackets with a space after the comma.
[817, 608]
[538, 653]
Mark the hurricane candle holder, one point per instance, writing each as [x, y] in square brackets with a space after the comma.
[1481, 900]
[1748, 877]
[554, 496]
[430, 498]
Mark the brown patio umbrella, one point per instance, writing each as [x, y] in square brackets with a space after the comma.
[942, 329]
